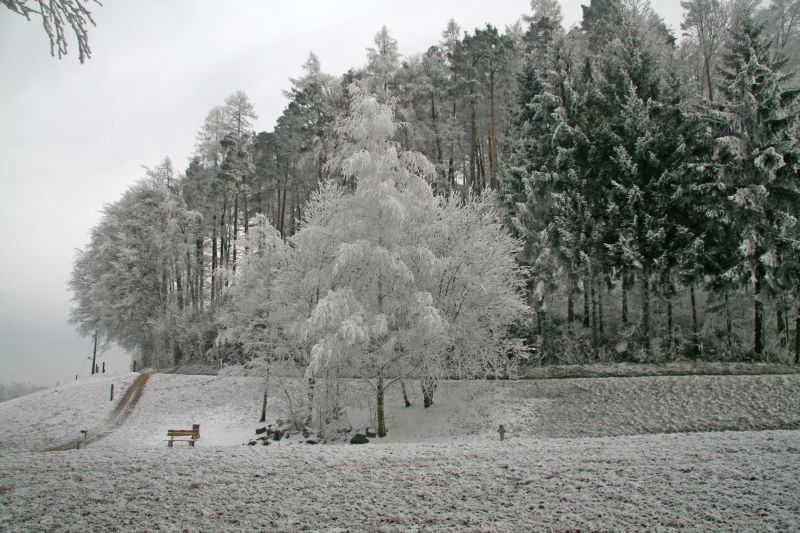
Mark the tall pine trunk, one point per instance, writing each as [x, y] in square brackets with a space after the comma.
[696, 347]
[728, 322]
[494, 183]
[586, 322]
[201, 275]
[758, 309]
[625, 297]
[646, 337]
[282, 209]
[570, 304]
[213, 257]
[670, 327]
[595, 338]
[601, 321]
[235, 228]
[797, 331]
[473, 150]
[246, 213]
[379, 390]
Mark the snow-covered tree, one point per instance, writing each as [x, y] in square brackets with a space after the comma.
[130, 284]
[388, 282]
[247, 317]
[756, 159]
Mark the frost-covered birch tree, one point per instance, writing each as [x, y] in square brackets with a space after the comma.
[390, 282]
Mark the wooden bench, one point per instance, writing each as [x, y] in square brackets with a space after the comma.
[192, 434]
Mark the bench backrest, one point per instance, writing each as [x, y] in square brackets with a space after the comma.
[194, 432]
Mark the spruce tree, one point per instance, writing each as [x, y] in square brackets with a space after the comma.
[756, 160]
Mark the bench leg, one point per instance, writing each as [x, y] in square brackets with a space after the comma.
[169, 444]
[191, 443]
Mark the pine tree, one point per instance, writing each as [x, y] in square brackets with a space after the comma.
[756, 159]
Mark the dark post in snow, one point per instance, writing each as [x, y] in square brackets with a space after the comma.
[264, 403]
[104, 367]
[84, 431]
[112, 393]
[501, 429]
[134, 365]
[94, 354]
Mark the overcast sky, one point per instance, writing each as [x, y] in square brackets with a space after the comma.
[73, 137]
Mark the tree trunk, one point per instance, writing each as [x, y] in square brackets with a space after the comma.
[670, 336]
[179, 287]
[601, 321]
[221, 262]
[696, 347]
[235, 229]
[586, 322]
[481, 169]
[381, 413]
[707, 66]
[436, 136]
[406, 401]
[646, 310]
[282, 208]
[797, 332]
[624, 297]
[428, 391]
[246, 213]
[728, 322]
[312, 382]
[495, 185]
[570, 304]
[94, 353]
[200, 275]
[473, 150]
[213, 257]
[595, 338]
[758, 309]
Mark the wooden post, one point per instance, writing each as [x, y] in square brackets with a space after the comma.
[104, 367]
[264, 405]
[111, 399]
[84, 431]
[134, 365]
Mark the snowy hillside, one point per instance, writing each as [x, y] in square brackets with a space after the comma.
[228, 408]
[580, 454]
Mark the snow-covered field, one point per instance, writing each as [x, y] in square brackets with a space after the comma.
[602, 454]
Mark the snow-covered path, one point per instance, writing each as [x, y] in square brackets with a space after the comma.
[703, 481]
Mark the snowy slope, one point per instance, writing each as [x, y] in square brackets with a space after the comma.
[50, 417]
[442, 468]
[228, 408]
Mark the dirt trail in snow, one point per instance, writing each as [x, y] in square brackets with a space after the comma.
[115, 420]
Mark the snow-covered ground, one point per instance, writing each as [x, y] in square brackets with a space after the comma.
[50, 417]
[583, 454]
